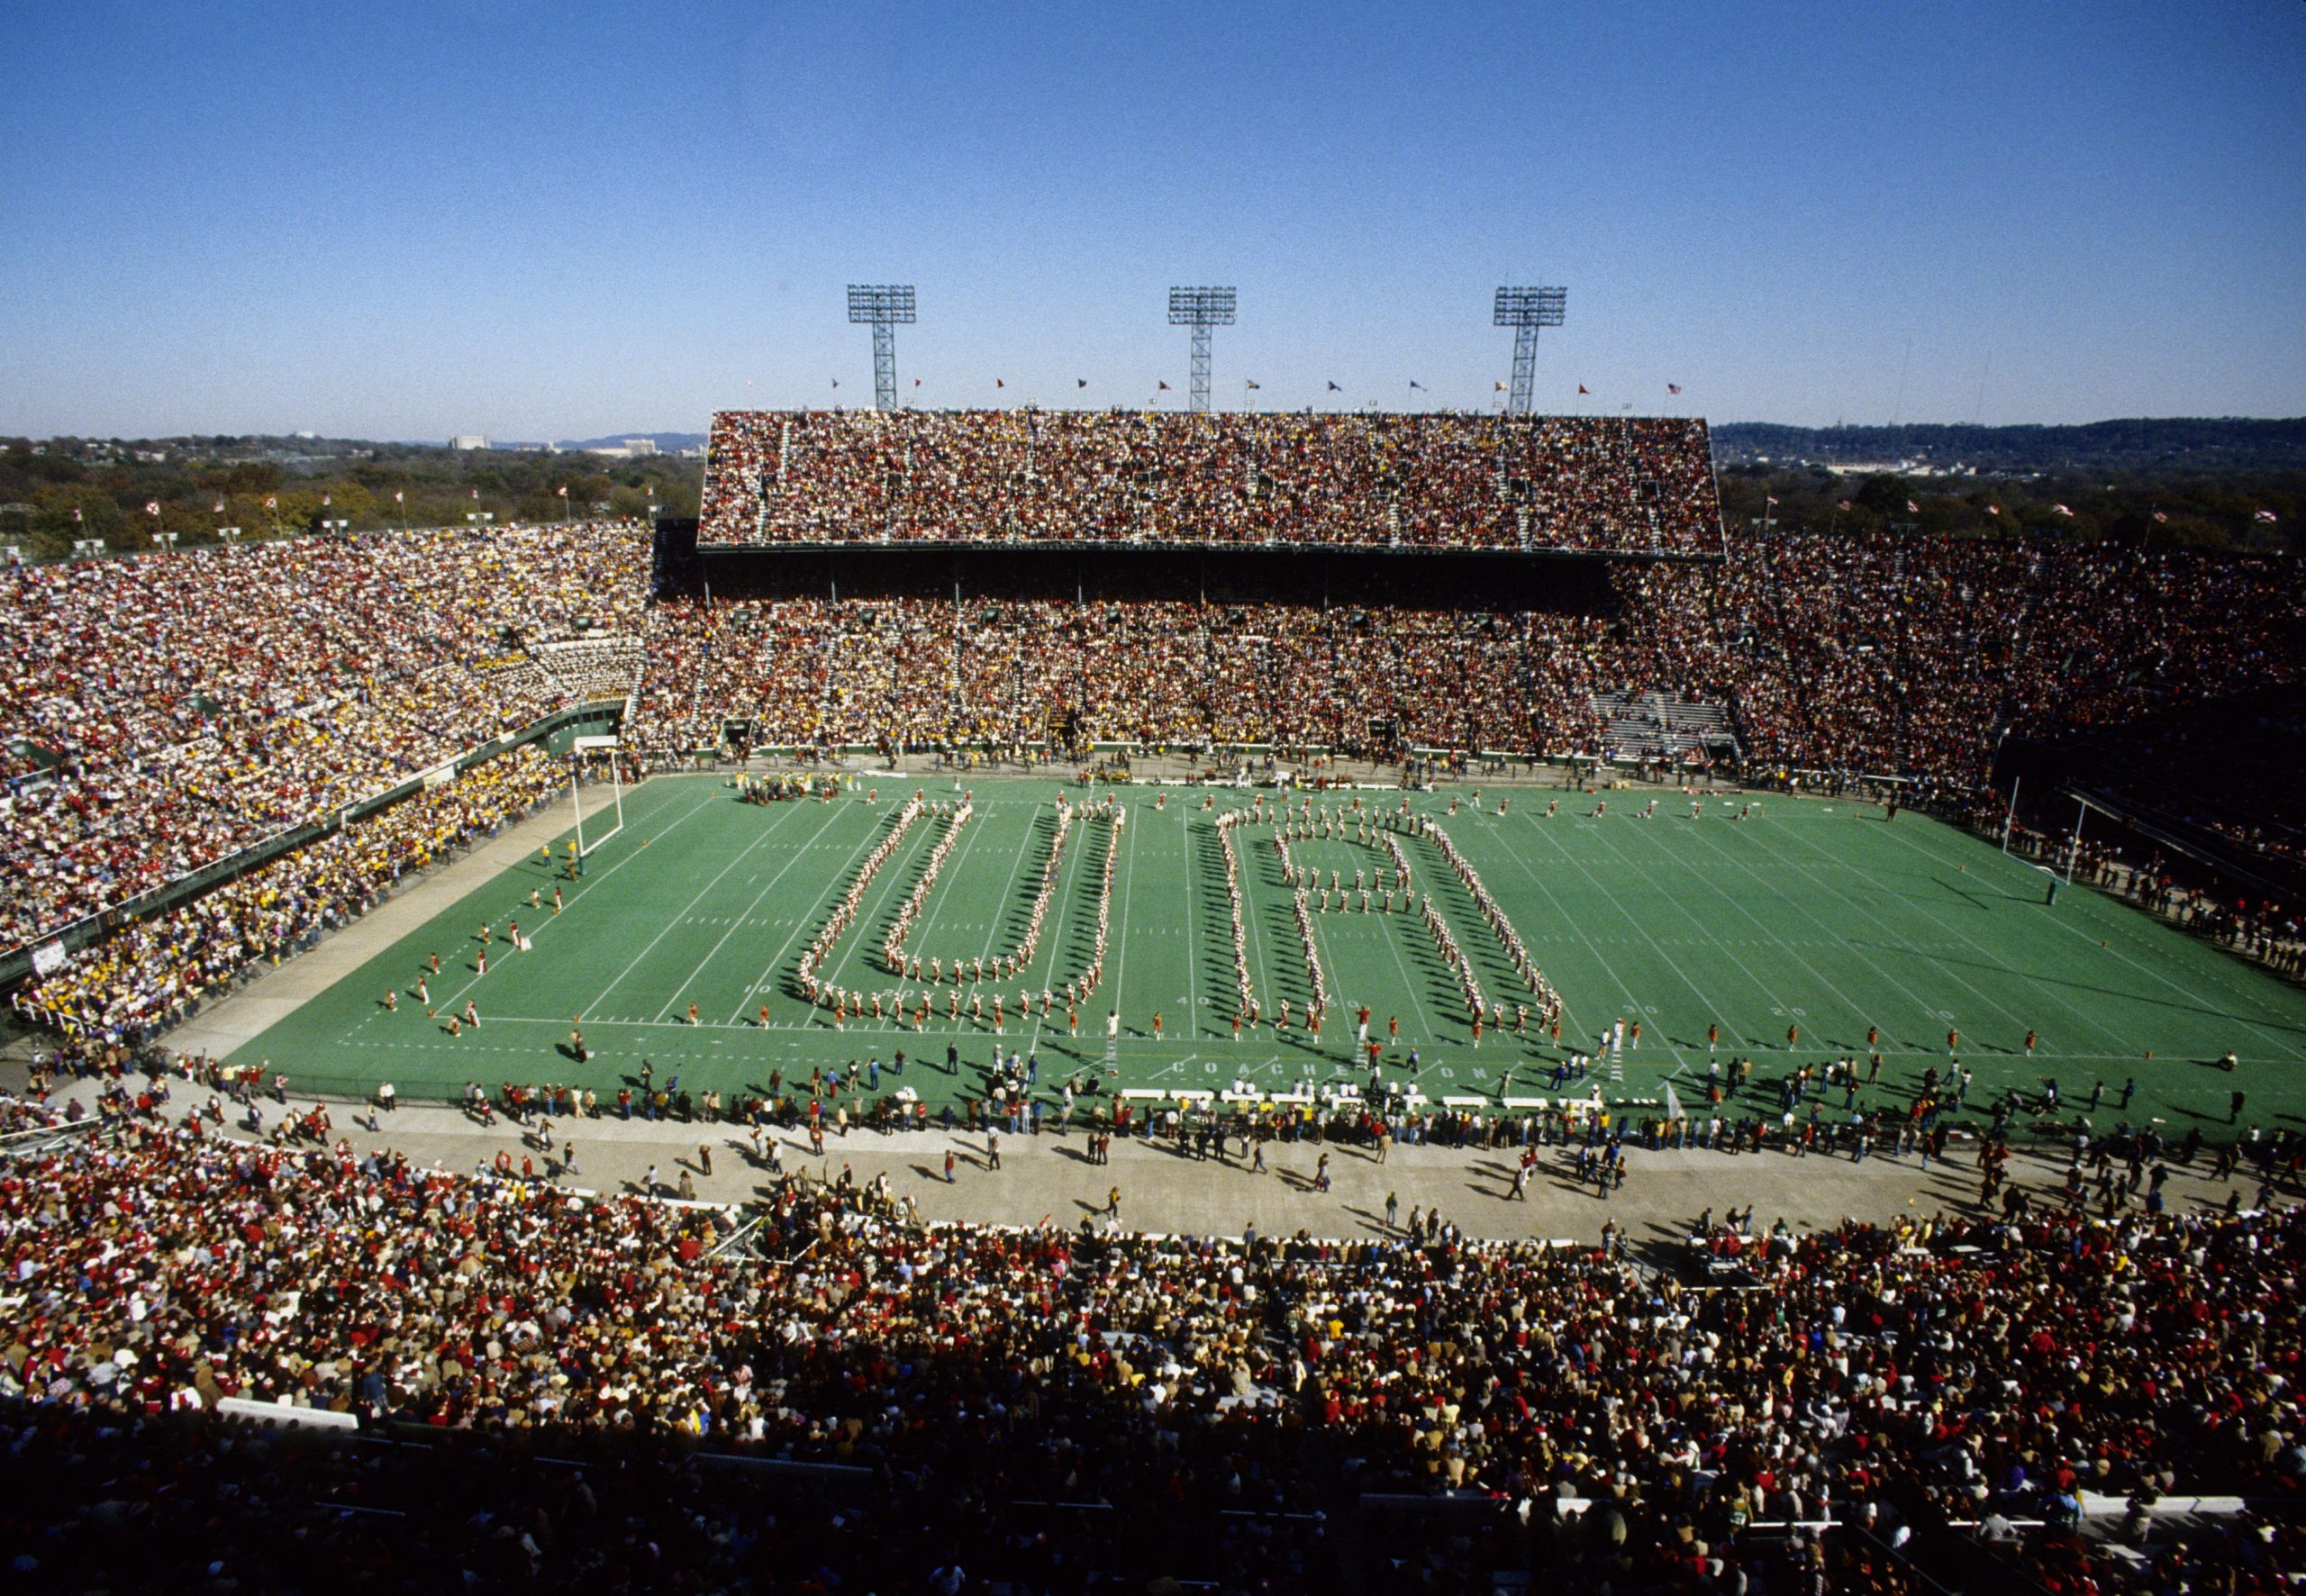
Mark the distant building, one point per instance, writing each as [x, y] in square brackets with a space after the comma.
[467, 442]
[629, 448]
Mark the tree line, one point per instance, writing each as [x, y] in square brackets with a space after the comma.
[2205, 510]
[56, 492]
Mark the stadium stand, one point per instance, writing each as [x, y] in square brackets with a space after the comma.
[159, 713]
[1091, 1410]
[622, 1393]
[1595, 485]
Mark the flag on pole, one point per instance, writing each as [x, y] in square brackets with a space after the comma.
[153, 507]
[1845, 504]
[999, 383]
[1080, 381]
[220, 507]
[1163, 386]
[75, 513]
[836, 382]
[1913, 508]
[1499, 388]
[1767, 499]
[2060, 510]
[562, 490]
[2160, 518]
[274, 504]
[2267, 516]
[916, 382]
[1417, 385]
[399, 497]
[1581, 388]
[1993, 509]
[327, 499]
[1335, 389]
[1673, 387]
[1253, 387]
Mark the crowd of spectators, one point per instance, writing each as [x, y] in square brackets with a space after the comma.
[1887, 1382]
[1901, 656]
[913, 673]
[154, 970]
[160, 713]
[1910, 655]
[1594, 484]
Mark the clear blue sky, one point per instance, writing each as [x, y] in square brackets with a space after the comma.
[557, 220]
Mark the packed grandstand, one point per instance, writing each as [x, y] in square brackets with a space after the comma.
[311, 719]
[1601, 484]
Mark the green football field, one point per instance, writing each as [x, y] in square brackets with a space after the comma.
[1808, 913]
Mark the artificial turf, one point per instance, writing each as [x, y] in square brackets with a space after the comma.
[1806, 913]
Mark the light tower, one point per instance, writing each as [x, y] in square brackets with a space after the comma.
[1525, 310]
[1199, 309]
[884, 306]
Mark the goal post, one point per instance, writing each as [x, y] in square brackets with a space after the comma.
[605, 746]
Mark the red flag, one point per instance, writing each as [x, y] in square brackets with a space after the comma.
[1581, 388]
[1993, 509]
[2061, 510]
[153, 507]
[999, 383]
[1165, 387]
[272, 503]
[2160, 518]
[1913, 508]
[916, 382]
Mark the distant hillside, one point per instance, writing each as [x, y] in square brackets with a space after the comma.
[2177, 445]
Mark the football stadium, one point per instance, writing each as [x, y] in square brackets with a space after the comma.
[984, 996]
[1255, 791]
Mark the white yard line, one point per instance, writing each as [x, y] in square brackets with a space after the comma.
[737, 922]
[590, 880]
[808, 919]
[2144, 969]
[602, 996]
[1935, 1016]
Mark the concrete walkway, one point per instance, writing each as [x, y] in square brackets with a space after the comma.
[1049, 1178]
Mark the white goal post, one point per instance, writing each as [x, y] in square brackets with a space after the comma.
[594, 745]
